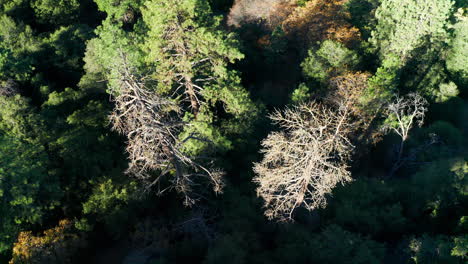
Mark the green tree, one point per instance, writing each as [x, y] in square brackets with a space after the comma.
[17, 44]
[323, 248]
[104, 53]
[229, 249]
[457, 59]
[331, 59]
[432, 249]
[83, 147]
[109, 204]
[27, 189]
[403, 26]
[440, 188]
[191, 66]
[368, 207]
[55, 11]
[118, 9]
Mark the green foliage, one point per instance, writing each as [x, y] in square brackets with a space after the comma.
[447, 133]
[55, 11]
[118, 9]
[84, 147]
[27, 189]
[323, 248]
[429, 249]
[384, 83]
[203, 52]
[362, 15]
[300, 94]
[353, 248]
[16, 44]
[407, 24]
[277, 46]
[441, 185]
[103, 58]
[330, 59]
[18, 120]
[457, 59]
[58, 158]
[369, 207]
[68, 46]
[447, 91]
[109, 204]
[229, 249]
[461, 247]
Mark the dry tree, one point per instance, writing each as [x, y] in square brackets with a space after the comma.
[305, 161]
[319, 20]
[349, 89]
[269, 12]
[152, 125]
[311, 153]
[403, 113]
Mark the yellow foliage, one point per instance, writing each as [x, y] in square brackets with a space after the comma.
[55, 246]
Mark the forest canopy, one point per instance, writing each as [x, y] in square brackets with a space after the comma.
[233, 131]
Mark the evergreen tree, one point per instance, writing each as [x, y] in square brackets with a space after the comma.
[190, 55]
[403, 26]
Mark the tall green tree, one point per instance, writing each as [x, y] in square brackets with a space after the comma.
[27, 189]
[191, 55]
[457, 60]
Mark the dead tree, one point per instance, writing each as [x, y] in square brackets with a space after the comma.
[403, 114]
[152, 125]
[306, 160]
[269, 12]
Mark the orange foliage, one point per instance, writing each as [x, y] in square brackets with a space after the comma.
[320, 20]
[57, 245]
[351, 87]
[264, 41]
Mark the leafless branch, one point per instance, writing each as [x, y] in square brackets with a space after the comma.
[152, 125]
[403, 113]
[305, 161]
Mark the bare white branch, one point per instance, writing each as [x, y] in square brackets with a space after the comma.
[305, 161]
[152, 125]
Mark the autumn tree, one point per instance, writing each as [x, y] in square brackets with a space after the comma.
[320, 20]
[56, 245]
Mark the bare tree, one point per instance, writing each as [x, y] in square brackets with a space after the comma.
[403, 114]
[152, 125]
[305, 161]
